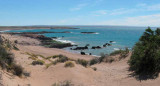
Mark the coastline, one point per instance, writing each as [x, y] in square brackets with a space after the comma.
[105, 75]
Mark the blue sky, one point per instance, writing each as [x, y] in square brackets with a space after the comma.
[80, 12]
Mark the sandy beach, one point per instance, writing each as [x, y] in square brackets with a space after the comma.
[107, 74]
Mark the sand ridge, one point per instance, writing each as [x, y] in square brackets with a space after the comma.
[107, 74]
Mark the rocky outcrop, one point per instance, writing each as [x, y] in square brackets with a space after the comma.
[80, 48]
[96, 47]
[88, 32]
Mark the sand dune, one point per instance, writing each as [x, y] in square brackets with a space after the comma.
[107, 74]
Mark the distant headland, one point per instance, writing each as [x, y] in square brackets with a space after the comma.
[35, 27]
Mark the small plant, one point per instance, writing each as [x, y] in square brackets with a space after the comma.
[38, 62]
[65, 83]
[82, 62]
[15, 47]
[94, 68]
[15, 41]
[62, 59]
[69, 64]
[27, 74]
[17, 69]
[94, 61]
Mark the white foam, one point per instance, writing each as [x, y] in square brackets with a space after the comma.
[116, 48]
[95, 33]
[5, 30]
[113, 42]
[63, 41]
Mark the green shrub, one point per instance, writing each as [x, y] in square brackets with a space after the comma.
[38, 62]
[7, 61]
[94, 61]
[69, 64]
[145, 59]
[116, 52]
[65, 83]
[15, 47]
[62, 59]
[94, 68]
[17, 70]
[82, 62]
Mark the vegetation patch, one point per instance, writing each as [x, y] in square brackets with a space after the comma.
[82, 62]
[94, 68]
[38, 62]
[145, 59]
[69, 64]
[65, 83]
[7, 60]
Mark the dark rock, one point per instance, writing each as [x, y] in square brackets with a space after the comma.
[54, 37]
[108, 44]
[96, 47]
[111, 41]
[83, 53]
[88, 32]
[87, 45]
[80, 48]
[63, 45]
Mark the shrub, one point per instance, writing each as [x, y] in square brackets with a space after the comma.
[69, 64]
[116, 52]
[94, 68]
[38, 62]
[15, 41]
[65, 83]
[82, 62]
[17, 70]
[94, 61]
[7, 60]
[145, 59]
[15, 47]
[62, 59]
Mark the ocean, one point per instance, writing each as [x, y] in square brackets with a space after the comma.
[123, 37]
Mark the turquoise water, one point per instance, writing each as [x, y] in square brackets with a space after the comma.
[122, 36]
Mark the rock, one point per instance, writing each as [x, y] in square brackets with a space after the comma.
[88, 32]
[111, 41]
[80, 48]
[96, 47]
[83, 53]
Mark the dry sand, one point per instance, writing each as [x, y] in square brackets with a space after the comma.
[107, 74]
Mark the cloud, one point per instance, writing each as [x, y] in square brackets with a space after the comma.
[155, 7]
[148, 20]
[99, 12]
[90, 3]
[79, 7]
[138, 8]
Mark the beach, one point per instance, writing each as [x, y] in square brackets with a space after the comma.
[107, 74]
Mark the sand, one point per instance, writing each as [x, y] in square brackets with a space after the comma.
[107, 74]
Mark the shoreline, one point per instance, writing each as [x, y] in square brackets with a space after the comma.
[106, 74]
[36, 43]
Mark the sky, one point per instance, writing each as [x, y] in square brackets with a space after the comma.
[80, 12]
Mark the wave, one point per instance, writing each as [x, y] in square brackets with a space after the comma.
[116, 48]
[64, 41]
[5, 30]
[113, 42]
[95, 33]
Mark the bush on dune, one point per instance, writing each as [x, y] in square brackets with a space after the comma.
[82, 62]
[7, 61]
[69, 64]
[145, 59]
[65, 83]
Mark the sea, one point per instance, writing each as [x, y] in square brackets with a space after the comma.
[122, 37]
